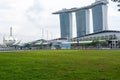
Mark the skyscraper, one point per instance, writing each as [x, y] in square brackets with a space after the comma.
[66, 25]
[99, 12]
[82, 22]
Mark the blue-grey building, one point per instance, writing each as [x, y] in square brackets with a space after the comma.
[99, 12]
[66, 25]
[82, 22]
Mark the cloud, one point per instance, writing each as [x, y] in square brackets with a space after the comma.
[34, 13]
[29, 17]
[4, 6]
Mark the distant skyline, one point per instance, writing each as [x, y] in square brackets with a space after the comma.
[29, 18]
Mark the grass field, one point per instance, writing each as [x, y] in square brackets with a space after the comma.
[60, 65]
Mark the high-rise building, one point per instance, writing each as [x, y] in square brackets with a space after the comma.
[99, 12]
[82, 22]
[66, 25]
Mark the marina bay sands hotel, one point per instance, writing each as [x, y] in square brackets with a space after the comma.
[99, 16]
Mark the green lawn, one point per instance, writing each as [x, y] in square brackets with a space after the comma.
[60, 65]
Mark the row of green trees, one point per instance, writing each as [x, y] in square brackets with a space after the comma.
[110, 37]
[93, 44]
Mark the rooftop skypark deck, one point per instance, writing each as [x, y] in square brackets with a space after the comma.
[85, 7]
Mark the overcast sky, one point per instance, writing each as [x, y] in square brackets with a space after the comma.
[29, 18]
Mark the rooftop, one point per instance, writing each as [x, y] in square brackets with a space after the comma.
[105, 31]
[76, 9]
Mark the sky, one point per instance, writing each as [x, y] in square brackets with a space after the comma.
[33, 19]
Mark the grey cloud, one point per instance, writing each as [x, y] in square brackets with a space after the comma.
[33, 13]
[4, 5]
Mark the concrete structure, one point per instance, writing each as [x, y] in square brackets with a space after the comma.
[111, 37]
[103, 35]
[66, 25]
[82, 22]
[99, 12]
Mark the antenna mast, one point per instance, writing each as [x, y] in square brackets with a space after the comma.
[10, 31]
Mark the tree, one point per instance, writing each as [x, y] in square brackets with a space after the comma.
[117, 1]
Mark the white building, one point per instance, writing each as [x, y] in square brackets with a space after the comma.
[103, 35]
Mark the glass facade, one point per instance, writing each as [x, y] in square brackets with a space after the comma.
[99, 13]
[66, 25]
[99, 17]
[82, 22]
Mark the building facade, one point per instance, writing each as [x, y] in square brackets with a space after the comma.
[99, 12]
[103, 35]
[66, 25]
[82, 22]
